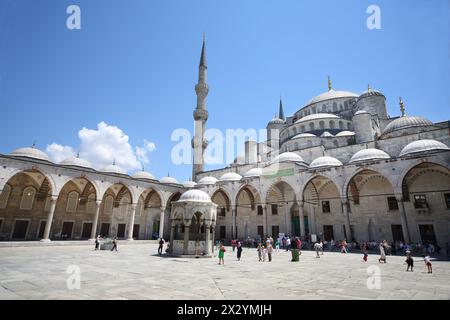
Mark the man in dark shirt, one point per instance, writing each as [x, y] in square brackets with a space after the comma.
[161, 244]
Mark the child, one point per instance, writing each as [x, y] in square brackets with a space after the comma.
[409, 261]
[259, 249]
[428, 263]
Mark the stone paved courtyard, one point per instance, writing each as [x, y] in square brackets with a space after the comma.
[135, 272]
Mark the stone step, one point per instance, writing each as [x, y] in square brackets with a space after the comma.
[7, 244]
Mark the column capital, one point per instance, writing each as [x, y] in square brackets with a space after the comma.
[187, 223]
[399, 197]
[301, 203]
[98, 203]
[344, 200]
[163, 208]
[133, 206]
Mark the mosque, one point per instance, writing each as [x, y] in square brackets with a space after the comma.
[338, 168]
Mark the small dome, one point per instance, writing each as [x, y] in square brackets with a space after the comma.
[169, 180]
[325, 161]
[207, 181]
[304, 135]
[369, 154]
[316, 116]
[230, 176]
[370, 93]
[113, 168]
[30, 152]
[195, 195]
[361, 112]
[288, 157]
[406, 122]
[255, 172]
[76, 162]
[345, 134]
[425, 145]
[277, 121]
[332, 94]
[326, 134]
[143, 175]
[189, 184]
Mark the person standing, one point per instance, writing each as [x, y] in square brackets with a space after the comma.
[114, 248]
[365, 250]
[427, 260]
[239, 250]
[409, 261]
[288, 244]
[382, 254]
[317, 248]
[344, 246]
[222, 251]
[269, 252]
[97, 242]
[233, 244]
[260, 251]
[161, 245]
[277, 245]
[283, 241]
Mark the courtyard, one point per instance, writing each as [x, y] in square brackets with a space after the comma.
[137, 272]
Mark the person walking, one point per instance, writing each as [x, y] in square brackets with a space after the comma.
[382, 254]
[288, 244]
[222, 251]
[233, 244]
[344, 246]
[264, 253]
[160, 247]
[283, 241]
[114, 248]
[317, 248]
[409, 261]
[427, 260]
[269, 252]
[365, 251]
[260, 251]
[277, 245]
[239, 250]
[97, 242]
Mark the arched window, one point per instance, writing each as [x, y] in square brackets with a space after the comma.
[322, 125]
[348, 126]
[324, 108]
[294, 130]
[313, 109]
[108, 207]
[4, 196]
[345, 105]
[332, 125]
[124, 205]
[311, 126]
[341, 107]
[334, 107]
[72, 202]
[341, 125]
[27, 198]
[302, 129]
[90, 207]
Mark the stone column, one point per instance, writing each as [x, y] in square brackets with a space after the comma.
[404, 221]
[187, 224]
[131, 227]
[207, 238]
[48, 224]
[348, 231]
[161, 221]
[264, 206]
[172, 235]
[313, 229]
[301, 216]
[94, 225]
[288, 219]
[213, 226]
[233, 221]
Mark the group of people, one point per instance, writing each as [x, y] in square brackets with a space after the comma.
[99, 240]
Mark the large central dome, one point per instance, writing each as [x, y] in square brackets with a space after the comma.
[332, 94]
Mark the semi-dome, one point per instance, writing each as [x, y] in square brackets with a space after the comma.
[113, 168]
[345, 133]
[143, 175]
[169, 180]
[76, 162]
[369, 154]
[370, 93]
[255, 172]
[304, 135]
[30, 152]
[316, 116]
[189, 184]
[288, 157]
[425, 145]
[230, 176]
[276, 121]
[325, 161]
[195, 195]
[207, 181]
[407, 122]
[326, 134]
[332, 94]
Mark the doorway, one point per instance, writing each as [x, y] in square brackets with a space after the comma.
[136, 231]
[397, 232]
[104, 230]
[121, 230]
[427, 233]
[66, 232]
[87, 229]
[328, 233]
[20, 229]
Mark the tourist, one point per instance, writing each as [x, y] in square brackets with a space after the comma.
[344, 246]
[317, 248]
[167, 247]
[264, 253]
[233, 244]
[332, 244]
[277, 245]
[222, 251]
[269, 252]
[382, 254]
[288, 244]
[97, 242]
[239, 250]
[427, 260]
[409, 261]
[365, 251]
[260, 250]
[114, 248]
[283, 241]
[161, 245]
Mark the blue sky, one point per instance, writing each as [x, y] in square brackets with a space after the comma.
[134, 64]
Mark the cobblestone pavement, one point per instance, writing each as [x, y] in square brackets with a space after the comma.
[136, 272]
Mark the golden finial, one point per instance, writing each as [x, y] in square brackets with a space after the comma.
[402, 107]
[329, 84]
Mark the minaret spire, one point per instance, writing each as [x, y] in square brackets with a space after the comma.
[281, 111]
[203, 55]
[402, 107]
[329, 84]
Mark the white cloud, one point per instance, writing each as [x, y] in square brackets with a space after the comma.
[102, 146]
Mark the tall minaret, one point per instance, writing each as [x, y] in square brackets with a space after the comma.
[200, 115]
